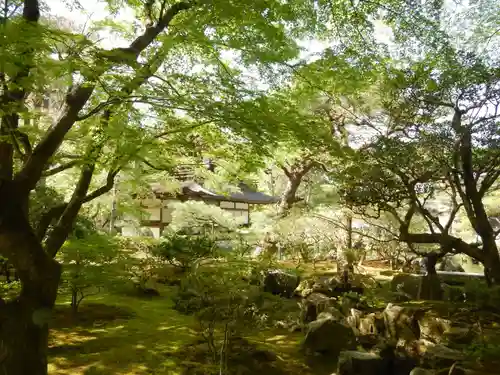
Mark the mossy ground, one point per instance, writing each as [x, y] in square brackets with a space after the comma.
[120, 334]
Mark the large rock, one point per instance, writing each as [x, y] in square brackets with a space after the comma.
[443, 331]
[353, 319]
[360, 363]
[372, 324]
[421, 371]
[280, 283]
[438, 355]
[304, 288]
[328, 336]
[324, 285]
[432, 327]
[401, 323]
[449, 264]
[410, 285]
[315, 304]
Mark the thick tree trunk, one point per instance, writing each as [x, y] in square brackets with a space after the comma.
[431, 284]
[24, 324]
[289, 196]
[295, 175]
[23, 321]
[491, 265]
[24, 338]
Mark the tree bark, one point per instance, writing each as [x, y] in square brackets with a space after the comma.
[24, 320]
[23, 329]
[294, 175]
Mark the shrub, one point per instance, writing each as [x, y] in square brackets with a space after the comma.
[185, 251]
[139, 260]
[225, 306]
[89, 265]
[477, 292]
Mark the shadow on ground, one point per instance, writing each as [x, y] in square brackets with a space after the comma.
[117, 334]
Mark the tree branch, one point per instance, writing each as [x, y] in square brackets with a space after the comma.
[60, 232]
[446, 240]
[76, 98]
[61, 167]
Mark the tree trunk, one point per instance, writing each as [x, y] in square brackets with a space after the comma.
[289, 196]
[24, 320]
[23, 339]
[295, 175]
[24, 327]
[431, 284]
[349, 231]
[491, 265]
[74, 302]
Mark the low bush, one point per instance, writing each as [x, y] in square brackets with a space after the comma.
[225, 306]
[90, 265]
[185, 252]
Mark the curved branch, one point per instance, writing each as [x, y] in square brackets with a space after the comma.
[60, 168]
[76, 99]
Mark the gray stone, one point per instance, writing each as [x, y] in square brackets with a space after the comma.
[316, 303]
[400, 323]
[304, 288]
[421, 371]
[371, 324]
[328, 336]
[438, 355]
[280, 283]
[432, 327]
[353, 318]
[449, 264]
[323, 285]
[360, 363]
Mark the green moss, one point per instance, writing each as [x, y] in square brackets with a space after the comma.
[118, 334]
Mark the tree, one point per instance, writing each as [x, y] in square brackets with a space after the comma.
[92, 133]
[89, 265]
[436, 154]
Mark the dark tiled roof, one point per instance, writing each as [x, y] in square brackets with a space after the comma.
[246, 194]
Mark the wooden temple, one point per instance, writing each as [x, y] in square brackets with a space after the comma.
[159, 208]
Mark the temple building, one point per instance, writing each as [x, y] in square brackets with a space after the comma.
[159, 207]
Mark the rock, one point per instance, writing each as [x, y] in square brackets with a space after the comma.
[360, 363]
[449, 264]
[408, 284]
[442, 331]
[421, 371]
[438, 355]
[147, 292]
[280, 283]
[433, 327]
[372, 324]
[323, 285]
[328, 336]
[304, 288]
[400, 323]
[353, 318]
[459, 336]
[315, 304]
